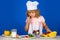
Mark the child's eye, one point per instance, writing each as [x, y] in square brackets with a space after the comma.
[31, 12]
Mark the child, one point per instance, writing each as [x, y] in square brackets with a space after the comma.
[34, 20]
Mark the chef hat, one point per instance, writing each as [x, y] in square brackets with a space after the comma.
[32, 5]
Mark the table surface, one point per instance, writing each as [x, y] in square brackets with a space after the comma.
[41, 38]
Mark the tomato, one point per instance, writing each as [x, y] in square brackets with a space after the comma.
[26, 36]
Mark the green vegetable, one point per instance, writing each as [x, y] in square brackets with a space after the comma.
[31, 35]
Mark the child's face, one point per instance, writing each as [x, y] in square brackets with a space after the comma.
[32, 14]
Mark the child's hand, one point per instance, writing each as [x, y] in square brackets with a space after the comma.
[48, 30]
[28, 21]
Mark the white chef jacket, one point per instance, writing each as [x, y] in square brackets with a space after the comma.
[36, 25]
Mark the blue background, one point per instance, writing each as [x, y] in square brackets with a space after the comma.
[13, 14]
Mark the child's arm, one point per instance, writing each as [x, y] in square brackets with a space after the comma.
[27, 24]
[44, 24]
[26, 27]
[46, 27]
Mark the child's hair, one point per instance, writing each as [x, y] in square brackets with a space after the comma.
[37, 13]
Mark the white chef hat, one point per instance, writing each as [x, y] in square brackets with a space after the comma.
[32, 5]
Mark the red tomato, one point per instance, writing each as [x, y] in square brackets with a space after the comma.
[26, 36]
